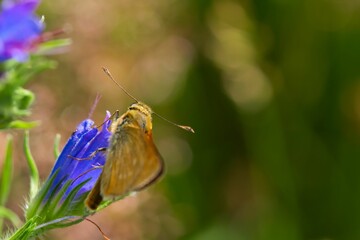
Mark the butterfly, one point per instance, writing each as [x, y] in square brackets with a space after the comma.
[133, 161]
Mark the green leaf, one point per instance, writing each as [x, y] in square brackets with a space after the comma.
[34, 173]
[6, 175]
[49, 46]
[7, 171]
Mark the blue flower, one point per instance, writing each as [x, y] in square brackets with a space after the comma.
[74, 174]
[19, 29]
[77, 161]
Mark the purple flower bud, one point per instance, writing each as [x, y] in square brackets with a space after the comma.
[80, 159]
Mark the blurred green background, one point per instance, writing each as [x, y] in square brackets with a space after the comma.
[271, 87]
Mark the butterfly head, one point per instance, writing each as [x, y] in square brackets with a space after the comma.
[142, 113]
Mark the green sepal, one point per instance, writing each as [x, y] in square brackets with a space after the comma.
[69, 206]
[64, 223]
[56, 215]
[52, 205]
[52, 208]
[58, 223]
[44, 208]
[36, 202]
[106, 203]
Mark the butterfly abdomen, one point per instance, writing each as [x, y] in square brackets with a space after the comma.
[94, 198]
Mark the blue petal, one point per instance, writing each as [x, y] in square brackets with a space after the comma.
[63, 163]
[83, 128]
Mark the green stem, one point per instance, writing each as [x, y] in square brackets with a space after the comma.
[7, 213]
[26, 231]
[34, 173]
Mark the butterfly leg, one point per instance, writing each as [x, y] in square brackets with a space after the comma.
[94, 167]
[90, 156]
[115, 115]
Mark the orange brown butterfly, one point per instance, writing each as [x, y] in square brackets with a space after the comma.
[133, 162]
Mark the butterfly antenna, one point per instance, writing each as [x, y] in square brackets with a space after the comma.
[111, 77]
[187, 128]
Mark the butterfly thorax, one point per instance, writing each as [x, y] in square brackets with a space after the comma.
[138, 115]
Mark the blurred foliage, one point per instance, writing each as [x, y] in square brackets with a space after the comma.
[272, 90]
[15, 101]
[280, 161]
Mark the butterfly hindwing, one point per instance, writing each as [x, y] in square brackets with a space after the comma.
[133, 161]
[153, 166]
